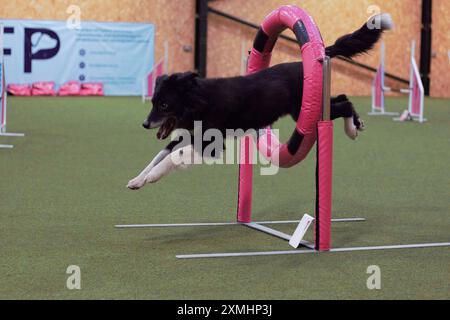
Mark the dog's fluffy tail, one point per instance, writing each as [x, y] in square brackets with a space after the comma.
[363, 39]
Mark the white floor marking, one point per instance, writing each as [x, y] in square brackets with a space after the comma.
[272, 253]
[218, 224]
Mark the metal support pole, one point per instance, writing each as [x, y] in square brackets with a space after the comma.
[201, 37]
[326, 116]
[425, 45]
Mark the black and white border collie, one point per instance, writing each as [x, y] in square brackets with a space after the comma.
[246, 102]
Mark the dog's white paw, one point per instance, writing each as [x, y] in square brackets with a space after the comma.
[136, 183]
[350, 129]
[152, 178]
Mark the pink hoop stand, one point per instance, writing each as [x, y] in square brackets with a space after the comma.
[315, 105]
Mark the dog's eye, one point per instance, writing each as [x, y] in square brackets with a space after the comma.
[164, 106]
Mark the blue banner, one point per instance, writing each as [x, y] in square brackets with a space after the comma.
[119, 55]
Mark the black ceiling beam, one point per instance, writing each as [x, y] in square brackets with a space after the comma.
[201, 37]
[350, 61]
[425, 45]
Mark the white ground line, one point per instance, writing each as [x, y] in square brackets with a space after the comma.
[216, 224]
[6, 146]
[272, 253]
[10, 134]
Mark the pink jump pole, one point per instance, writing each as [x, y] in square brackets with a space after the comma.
[324, 168]
[244, 210]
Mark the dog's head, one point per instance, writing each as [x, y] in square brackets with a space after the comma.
[173, 102]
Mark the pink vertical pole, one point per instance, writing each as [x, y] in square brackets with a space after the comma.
[324, 185]
[244, 209]
[379, 89]
[159, 69]
[324, 169]
[415, 101]
[150, 84]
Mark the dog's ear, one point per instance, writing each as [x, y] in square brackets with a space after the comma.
[159, 82]
[184, 81]
[186, 76]
[161, 79]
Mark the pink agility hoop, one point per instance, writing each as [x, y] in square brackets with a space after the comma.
[313, 54]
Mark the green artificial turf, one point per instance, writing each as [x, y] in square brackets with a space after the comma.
[62, 190]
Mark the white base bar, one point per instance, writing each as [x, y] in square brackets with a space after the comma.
[218, 224]
[414, 119]
[10, 134]
[275, 233]
[6, 146]
[273, 253]
[411, 120]
[375, 113]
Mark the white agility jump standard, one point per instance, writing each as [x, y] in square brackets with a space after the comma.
[378, 90]
[160, 68]
[244, 58]
[415, 91]
[3, 98]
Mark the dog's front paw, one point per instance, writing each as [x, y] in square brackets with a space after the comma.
[136, 183]
[152, 178]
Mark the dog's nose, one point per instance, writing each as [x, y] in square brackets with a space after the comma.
[146, 124]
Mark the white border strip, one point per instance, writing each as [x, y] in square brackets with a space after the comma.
[217, 224]
[9, 134]
[273, 253]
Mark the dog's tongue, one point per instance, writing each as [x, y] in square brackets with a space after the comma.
[166, 129]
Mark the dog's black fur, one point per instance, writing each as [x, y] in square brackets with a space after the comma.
[248, 102]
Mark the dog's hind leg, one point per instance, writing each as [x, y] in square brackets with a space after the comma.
[339, 98]
[341, 107]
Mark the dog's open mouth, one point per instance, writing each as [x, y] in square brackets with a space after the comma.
[166, 128]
